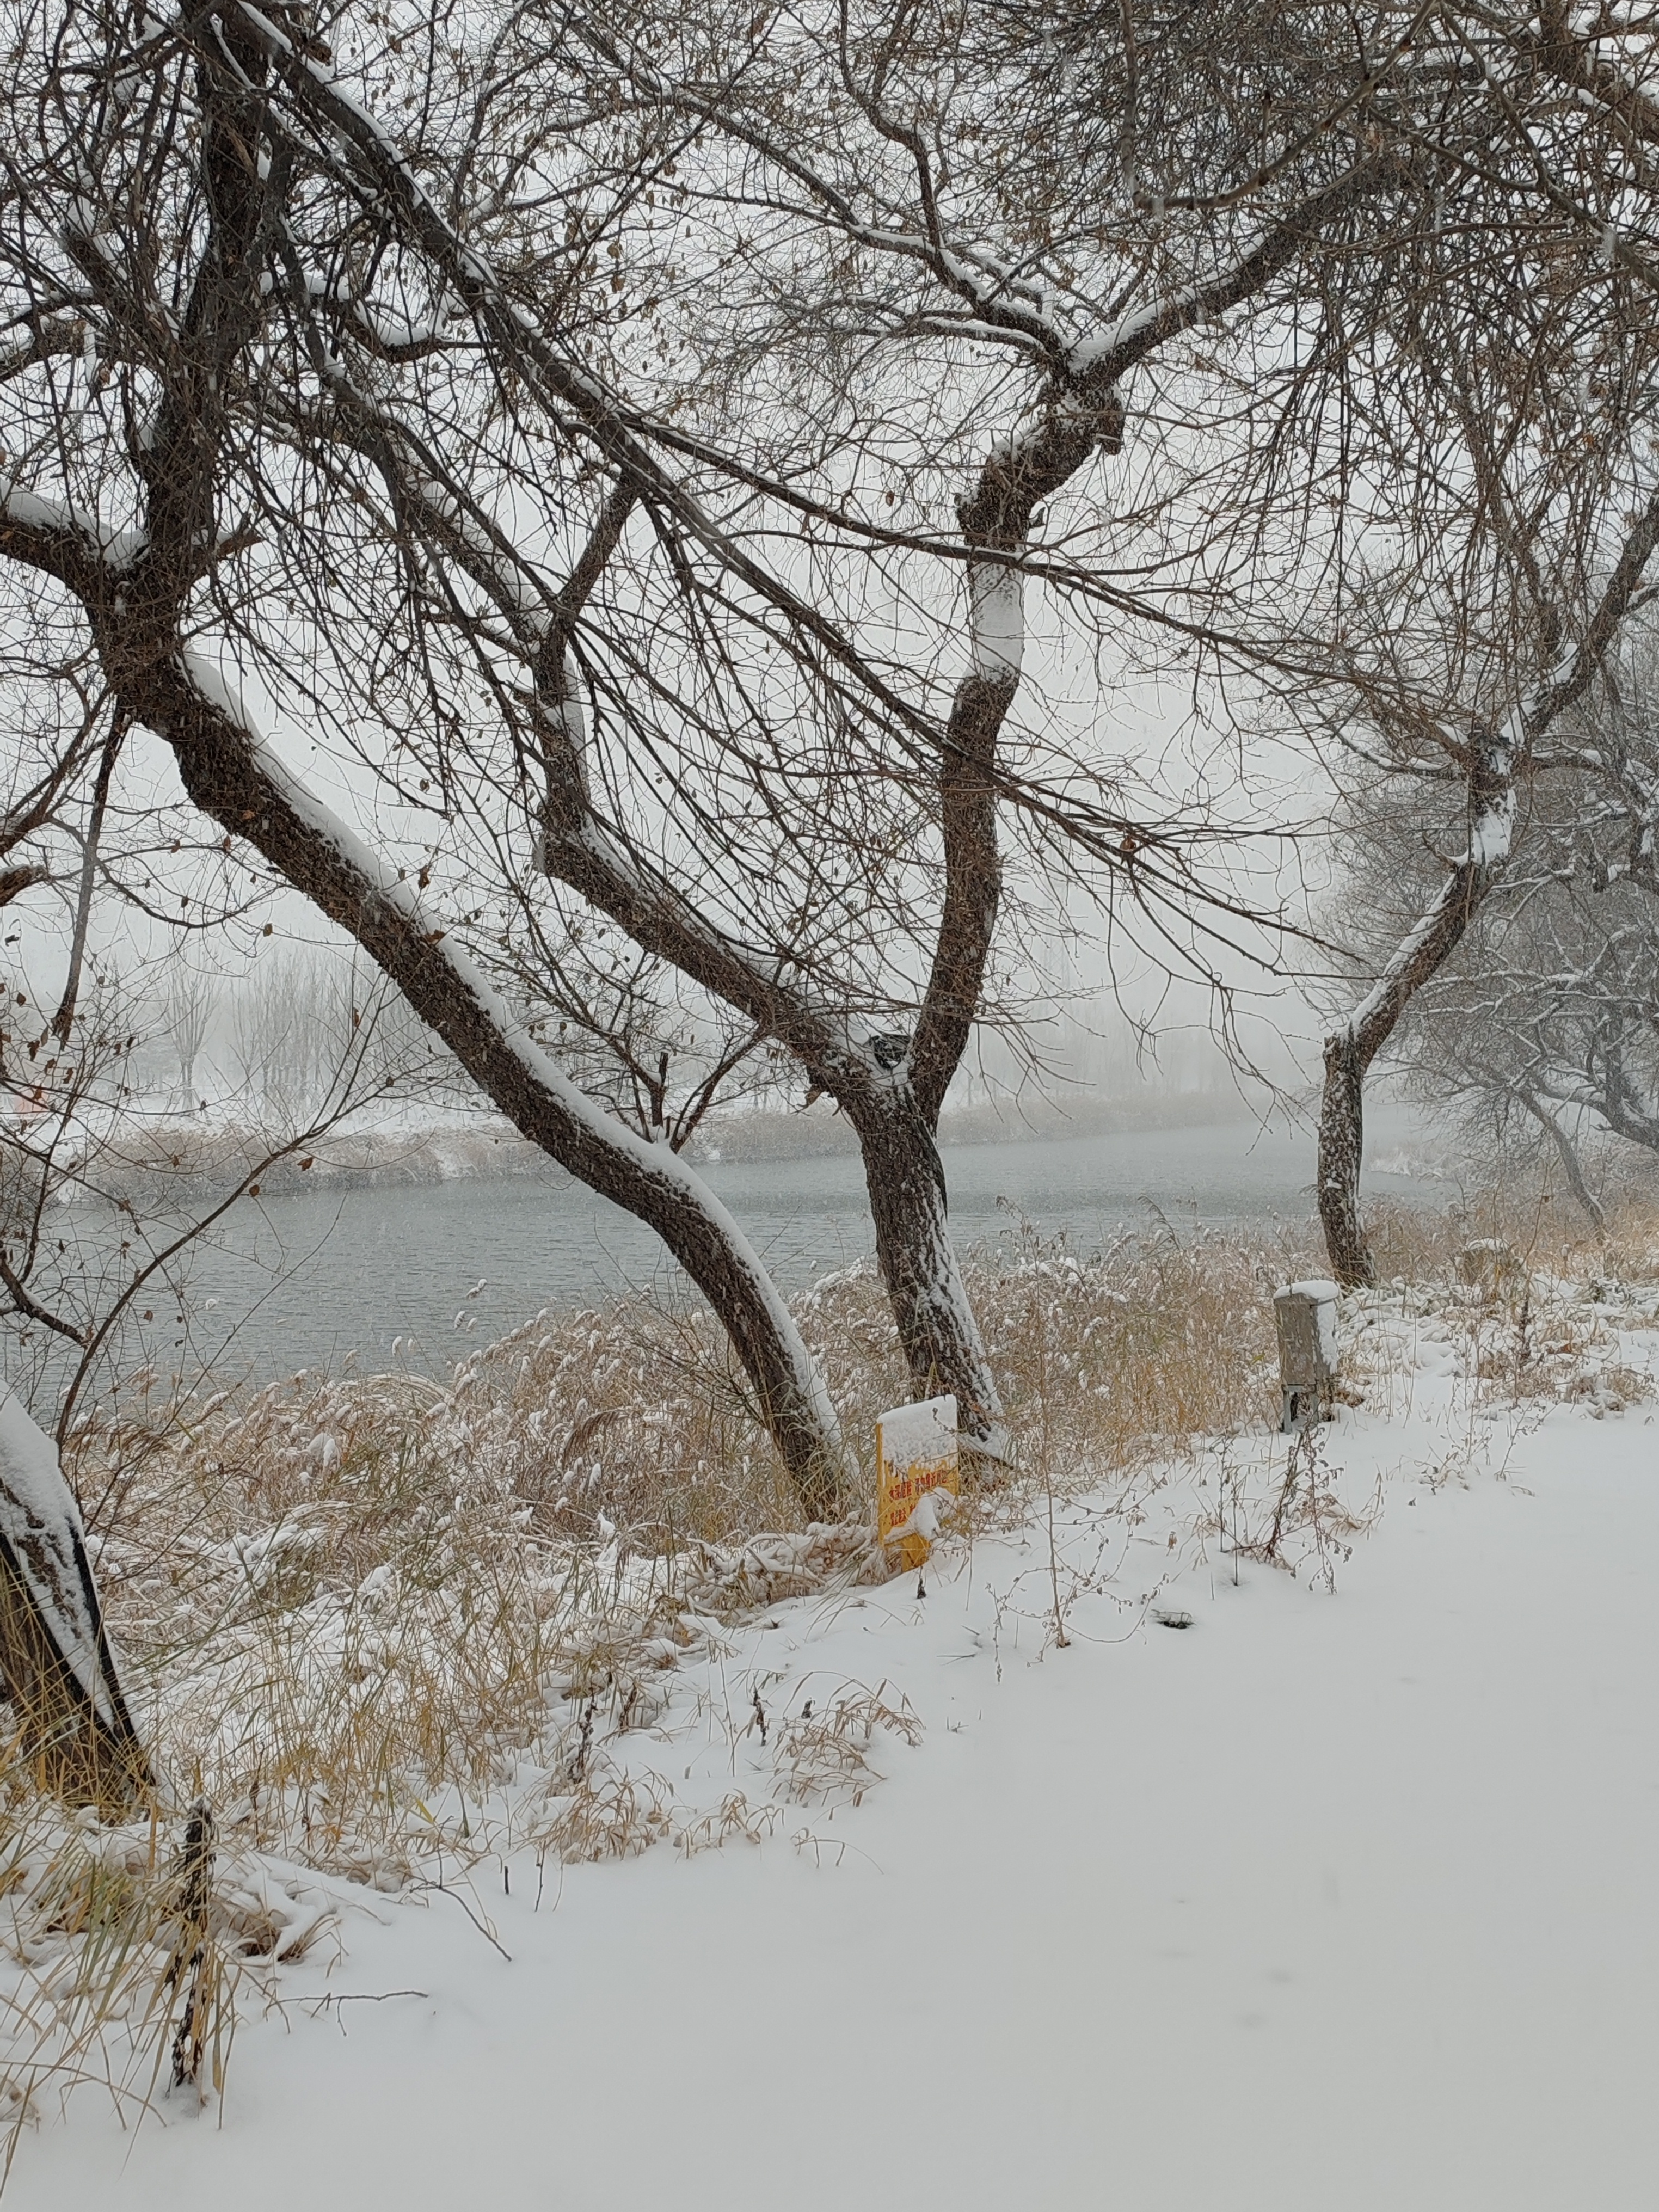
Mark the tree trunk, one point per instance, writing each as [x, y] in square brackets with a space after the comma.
[1341, 1142]
[1495, 758]
[919, 1266]
[75, 1753]
[1568, 1153]
[1350, 1051]
[73, 1726]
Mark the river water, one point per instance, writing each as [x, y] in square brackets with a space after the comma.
[421, 1275]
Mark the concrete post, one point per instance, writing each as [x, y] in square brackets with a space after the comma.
[1306, 1316]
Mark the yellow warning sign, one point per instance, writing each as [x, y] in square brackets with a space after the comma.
[916, 1454]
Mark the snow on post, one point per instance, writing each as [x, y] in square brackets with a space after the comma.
[1306, 1316]
[55, 1663]
[916, 1454]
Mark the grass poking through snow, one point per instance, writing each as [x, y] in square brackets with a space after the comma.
[355, 1612]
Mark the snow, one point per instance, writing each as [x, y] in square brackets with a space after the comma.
[926, 1430]
[1492, 833]
[1401, 962]
[1175, 309]
[1339, 1896]
[119, 549]
[997, 620]
[927, 1517]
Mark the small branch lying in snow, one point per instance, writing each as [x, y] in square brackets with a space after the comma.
[482, 1925]
[317, 2006]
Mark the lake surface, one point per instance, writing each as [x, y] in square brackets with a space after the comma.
[421, 1275]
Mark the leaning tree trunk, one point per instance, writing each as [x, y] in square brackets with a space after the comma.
[138, 617]
[232, 777]
[73, 1729]
[649, 1180]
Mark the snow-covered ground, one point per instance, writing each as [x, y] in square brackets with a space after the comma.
[1337, 1898]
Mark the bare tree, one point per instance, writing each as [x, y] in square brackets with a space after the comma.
[877, 147]
[1497, 756]
[146, 223]
[377, 420]
[942, 270]
[1545, 1027]
[828, 781]
[191, 1001]
[1524, 535]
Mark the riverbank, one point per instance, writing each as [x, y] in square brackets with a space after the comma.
[157, 1159]
[448, 1662]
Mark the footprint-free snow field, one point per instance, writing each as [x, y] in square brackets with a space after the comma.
[1342, 1899]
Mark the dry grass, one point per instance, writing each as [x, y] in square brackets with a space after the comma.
[825, 1753]
[343, 1599]
[119, 1958]
[1418, 1249]
[356, 1612]
[1531, 1300]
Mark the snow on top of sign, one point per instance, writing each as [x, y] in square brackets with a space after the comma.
[1315, 1287]
[924, 1430]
